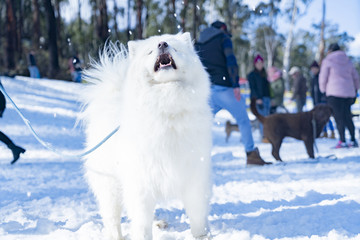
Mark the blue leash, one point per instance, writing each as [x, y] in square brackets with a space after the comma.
[48, 145]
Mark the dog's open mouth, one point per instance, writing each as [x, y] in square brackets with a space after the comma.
[164, 61]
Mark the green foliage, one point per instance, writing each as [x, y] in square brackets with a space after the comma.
[153, 20]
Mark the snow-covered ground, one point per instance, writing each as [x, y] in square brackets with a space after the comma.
[44, 196]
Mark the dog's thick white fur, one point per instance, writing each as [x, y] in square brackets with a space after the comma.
[157, 92]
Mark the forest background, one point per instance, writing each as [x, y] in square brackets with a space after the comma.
[43, 27]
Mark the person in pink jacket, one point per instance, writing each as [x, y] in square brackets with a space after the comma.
[339, 80]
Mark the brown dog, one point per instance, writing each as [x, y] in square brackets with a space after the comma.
[302, 126]
[231, 127]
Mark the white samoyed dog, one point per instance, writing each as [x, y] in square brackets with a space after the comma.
[157, 92]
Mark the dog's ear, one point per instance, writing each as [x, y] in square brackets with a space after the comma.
[331, 109]
[322, 113]
[186, 37]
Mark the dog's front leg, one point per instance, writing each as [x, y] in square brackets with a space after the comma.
[107, 192]
[276, 149]
[140, 207]
[196, 203]
[309, 144]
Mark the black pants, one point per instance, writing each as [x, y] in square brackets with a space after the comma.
[6, 140]
[343, 115]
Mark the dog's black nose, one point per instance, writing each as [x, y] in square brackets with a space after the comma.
[163, 45]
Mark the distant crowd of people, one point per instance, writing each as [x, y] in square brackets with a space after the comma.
[74, 65]
[334, 82]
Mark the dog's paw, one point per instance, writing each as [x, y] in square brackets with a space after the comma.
[161, 224]
[205, 237]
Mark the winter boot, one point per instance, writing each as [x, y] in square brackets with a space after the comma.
[16, 150]
[332, 136]
[324, 135]
[253, 158]
[341, 144]
[353, 144]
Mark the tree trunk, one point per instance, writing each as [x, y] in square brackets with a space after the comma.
[128, 21]
[173, 3]
[59, 27]
[139, 28]
[269, 36]
[242, 63]
[79, 16]
[269, 50]
[52, 35]
[116, 12]
[228, 14]
[102, 21]
[36, 25]
[195, 19]
[10, 34]
[183, 15]
[19, 28]
[286, 60]
[322, 40]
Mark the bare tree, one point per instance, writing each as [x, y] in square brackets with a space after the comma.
[52, 35]
[10, 34]
[102, 21]
[286, 60]
[322, 39]
[19, 28]
[294, 17]
[139, 25]
[270, 36]
[36, 24]
[183, 15]
[79, 16]
[128, 20]
[195, 19]
[116, 12]
[58, 25]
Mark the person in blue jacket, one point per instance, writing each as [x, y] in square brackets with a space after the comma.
[215, 50]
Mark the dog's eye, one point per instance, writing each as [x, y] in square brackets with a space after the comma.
[150, 52]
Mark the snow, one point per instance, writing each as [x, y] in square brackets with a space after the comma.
[45, 196]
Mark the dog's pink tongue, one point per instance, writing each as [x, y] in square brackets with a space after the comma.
[165, 65]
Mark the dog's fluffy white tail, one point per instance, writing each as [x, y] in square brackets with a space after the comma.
[105, 79]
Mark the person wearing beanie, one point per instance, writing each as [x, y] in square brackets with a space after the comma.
[318, 97]
[339, 80]
[215, 50]
[259, 89]
[299, 88]
[277, 89]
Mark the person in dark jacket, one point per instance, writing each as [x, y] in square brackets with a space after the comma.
[75, 68]
[318, 97]
[216, 53]
[299, 88]
[16, 150]
[259, 89]
[33, 69]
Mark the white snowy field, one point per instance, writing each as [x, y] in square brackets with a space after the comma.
[44, 196]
